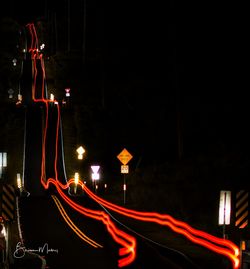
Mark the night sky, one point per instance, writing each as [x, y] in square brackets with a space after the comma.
[158, 60]
[168, 82]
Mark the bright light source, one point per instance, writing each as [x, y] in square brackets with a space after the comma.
[95, 174]
[105, 186]
[124, 169]
[3, 159]
[14, 61]
[124, 187]
[19, 182]
[42, 46]
[3, 162]
[52, 97]
[3, 231]
[19, 97]
[95, 168]
[76, 178]
[67, 92]
[80, 152]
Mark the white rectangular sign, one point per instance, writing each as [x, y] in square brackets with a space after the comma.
[225, 208]
[124, 169]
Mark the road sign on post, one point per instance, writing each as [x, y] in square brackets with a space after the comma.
[8, 202]
[241, 209]
[124, 169]
[124, 157]
[67, 92]
[225, 210]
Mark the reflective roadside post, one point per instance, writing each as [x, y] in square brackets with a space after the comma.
[124, 157]
[95, 176]
[105, 187]
[19, 182]
[20, 186]
[80, 151]
[52, 97]
[76, 180]
[3, 235]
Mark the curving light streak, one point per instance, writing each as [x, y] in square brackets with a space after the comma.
[223, 246]
[72, 225]
[218, 245]
[127, 241]
[34, 39]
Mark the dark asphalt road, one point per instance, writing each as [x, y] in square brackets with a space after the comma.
[45, 229]
[43, 225]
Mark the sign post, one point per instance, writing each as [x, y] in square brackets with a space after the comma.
[95, 176]
[124, 157]
[224, 210]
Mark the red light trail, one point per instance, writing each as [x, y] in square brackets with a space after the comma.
[127, 241]
[218, 245]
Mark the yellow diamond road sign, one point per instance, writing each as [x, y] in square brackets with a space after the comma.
[124, 157]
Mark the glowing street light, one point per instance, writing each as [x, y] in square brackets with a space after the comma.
[80, 152]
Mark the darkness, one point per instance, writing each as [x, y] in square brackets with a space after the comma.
[159, 71]
[166, 81]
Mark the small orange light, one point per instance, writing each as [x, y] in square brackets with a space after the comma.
[243, 245]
